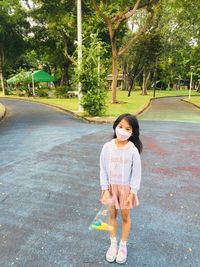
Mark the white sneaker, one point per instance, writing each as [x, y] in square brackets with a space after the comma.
[111, 253]
[122, 254]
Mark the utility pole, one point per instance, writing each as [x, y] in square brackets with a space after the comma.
[33, 83]
[1, 73]
[79, 31]
[191, 69]
[99, 63]
[2, 83]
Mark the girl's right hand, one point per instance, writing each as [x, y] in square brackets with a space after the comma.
[105, 195]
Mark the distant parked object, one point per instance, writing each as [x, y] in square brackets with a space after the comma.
[159, 85]
[120, 79]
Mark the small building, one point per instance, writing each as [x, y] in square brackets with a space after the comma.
[120, 80]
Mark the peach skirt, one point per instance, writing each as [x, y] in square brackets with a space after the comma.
[120, 194]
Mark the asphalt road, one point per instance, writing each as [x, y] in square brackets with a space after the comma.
[49, 190]
[171, 109]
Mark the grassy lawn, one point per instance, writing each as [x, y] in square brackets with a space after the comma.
[136, 101]
[195, 100]
[69, 103]
[132, 104]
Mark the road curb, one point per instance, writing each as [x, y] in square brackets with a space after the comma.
[96, 120]
[86, 119]
[53, 106]
[2, 111]
[188, 101]
[158, 97]
[149, 103]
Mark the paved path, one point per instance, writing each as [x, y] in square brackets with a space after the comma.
[2, 111]
[49, 192]
[171, 109]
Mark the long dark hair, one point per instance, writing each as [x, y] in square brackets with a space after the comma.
[133, 122]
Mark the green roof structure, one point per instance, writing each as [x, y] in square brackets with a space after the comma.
[28, 76]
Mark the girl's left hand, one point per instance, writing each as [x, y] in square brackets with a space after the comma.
[132, 199]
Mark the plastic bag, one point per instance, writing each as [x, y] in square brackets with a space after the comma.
[101, 220]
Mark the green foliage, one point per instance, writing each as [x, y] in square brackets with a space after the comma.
[168, 49]
[23, 90]
[93, 101]
[42, 92]
[61, 92]
[92, 78]
[13, 29]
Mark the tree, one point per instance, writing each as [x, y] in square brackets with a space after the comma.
[142, 61]
[54, 33]
[180, 23]
[12, 41]
[117, 14]
[92, 78]
[166, 52]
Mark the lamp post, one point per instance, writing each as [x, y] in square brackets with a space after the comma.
[33, 83]
[191, 74]
[99, 62]
[155, 74]
[79, 32]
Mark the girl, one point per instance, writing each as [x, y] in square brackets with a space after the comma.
[120, 176]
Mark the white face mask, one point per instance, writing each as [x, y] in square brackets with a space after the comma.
[122, 134]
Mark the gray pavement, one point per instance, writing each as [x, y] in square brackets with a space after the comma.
[49, 189]
[171, 109]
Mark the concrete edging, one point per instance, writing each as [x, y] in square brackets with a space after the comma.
[2, 112]
[54, 106]
[95, 119]
[154, 98]
[188, 101]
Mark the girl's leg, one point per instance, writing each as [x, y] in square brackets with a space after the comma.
[111, 253]
[113, 221]
[126, 224]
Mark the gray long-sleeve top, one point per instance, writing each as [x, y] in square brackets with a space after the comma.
[120, 166]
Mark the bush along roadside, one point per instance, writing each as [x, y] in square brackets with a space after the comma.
[93, 98]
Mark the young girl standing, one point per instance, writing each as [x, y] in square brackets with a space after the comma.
[120, 176]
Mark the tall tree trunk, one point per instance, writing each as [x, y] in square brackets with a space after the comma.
[132, 76]
[198, 86]
[2, 82]
[131, 85]
[114, 72]
[146, 81]
[125, 82]
[1, 71]
[179, 84]
[113, 23]
[143, 82]
[65, 74]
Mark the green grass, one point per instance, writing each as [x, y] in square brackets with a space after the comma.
[136, 101]
[132, 104]
[195, 100]
[69, 103]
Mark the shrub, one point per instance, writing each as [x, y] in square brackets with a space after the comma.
[93, 102]
[93, 82]
[42, 92]
[61, 92]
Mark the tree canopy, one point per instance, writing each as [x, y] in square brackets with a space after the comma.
[147, 40]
